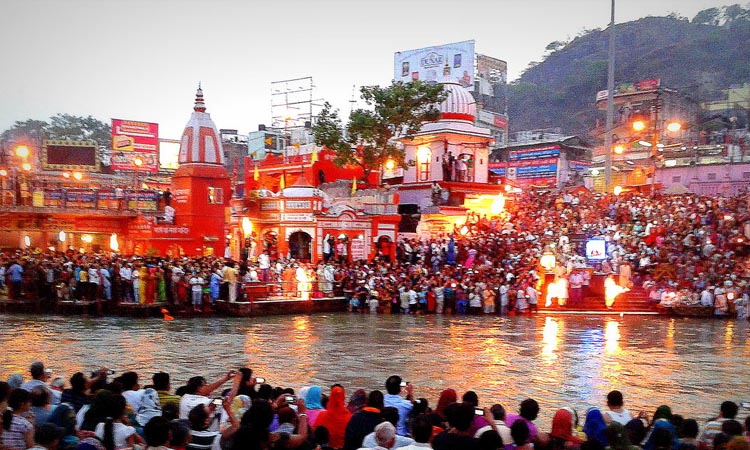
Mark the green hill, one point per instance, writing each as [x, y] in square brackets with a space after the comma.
[698, 57]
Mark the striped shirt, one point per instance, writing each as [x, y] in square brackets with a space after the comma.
[14, 438]
[204, 440]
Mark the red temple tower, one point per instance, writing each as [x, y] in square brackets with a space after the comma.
[201, 188]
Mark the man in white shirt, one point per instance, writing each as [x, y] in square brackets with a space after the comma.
[264, 264]
[126, 274]
[615, 411]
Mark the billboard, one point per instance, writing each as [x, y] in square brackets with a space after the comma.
[131, 139]
[535, 166]
[70, 155]
[428, 64]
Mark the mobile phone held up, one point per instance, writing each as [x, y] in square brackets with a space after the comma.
[404, 383]
[478, 411]
[260, 380]
[290, 399]
[218, 401]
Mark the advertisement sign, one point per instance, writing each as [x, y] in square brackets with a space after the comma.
[492, 118]
[70, 155]
[142, 200]
[631, 88]
[131, 139]
[429, 63]
[534, 153]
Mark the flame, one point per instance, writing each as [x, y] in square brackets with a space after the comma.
[611, 291]
[554, 290]
[304, 285]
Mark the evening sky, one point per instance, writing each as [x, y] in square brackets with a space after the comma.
[142, 60]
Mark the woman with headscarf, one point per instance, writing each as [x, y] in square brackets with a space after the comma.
[335, 417]
[617, 437]
[64, 416]
[447, 396]
[313, 403]
[595, 426]
[661, 420]
[357, 401]
[561, 435]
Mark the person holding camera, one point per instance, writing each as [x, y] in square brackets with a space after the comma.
[198, 390]
[394, 385]
[202, 418]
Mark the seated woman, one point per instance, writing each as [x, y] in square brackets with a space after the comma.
[112, 431]
[561, 434]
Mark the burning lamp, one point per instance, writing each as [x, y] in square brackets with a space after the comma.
[61, 236]
[464, 230]
[617, 190]
[390, 164]
[247, 226]
[113, 244]
[547, 261]
[27, 240]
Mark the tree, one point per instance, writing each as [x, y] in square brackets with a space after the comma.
[710, 16]
[369, 138]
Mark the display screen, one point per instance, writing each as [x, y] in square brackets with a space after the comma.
[596, 249]
[71, 155]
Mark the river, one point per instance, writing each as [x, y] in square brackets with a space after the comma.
[690, 364]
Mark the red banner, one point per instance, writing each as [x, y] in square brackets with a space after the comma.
[133, 143]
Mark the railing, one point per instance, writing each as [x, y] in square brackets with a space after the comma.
[40, 199]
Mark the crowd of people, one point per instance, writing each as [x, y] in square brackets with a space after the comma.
[239, 411]
[683, 249]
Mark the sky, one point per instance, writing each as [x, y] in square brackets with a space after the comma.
[142, 60]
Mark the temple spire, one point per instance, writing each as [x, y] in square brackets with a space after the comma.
[200, 105]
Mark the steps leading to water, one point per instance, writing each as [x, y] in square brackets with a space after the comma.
[632, 302]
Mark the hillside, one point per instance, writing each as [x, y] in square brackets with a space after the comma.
[697, 59]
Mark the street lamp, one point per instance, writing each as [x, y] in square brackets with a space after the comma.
[137, 162]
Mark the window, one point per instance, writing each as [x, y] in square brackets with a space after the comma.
[746, 175]
[676, 179]
[711, 176]
[215, 196]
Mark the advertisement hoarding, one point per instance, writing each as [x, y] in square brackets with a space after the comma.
[535, 166]
[131, 139]
[492, 118]
[428, 64]
[70, 155]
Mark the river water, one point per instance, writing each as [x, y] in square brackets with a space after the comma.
[689, 364]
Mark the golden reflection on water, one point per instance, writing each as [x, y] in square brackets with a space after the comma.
[550, 339]
[729, 335]
[612, 338]
[669, 338]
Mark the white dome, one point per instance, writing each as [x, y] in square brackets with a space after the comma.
[460, 104]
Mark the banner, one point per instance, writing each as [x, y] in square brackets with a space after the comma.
[429, 63]
[131, 140]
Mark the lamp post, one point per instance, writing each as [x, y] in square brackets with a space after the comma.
[137, 162]
[610, 102]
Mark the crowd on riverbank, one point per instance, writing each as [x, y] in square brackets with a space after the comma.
[684, 249]
[239, 411]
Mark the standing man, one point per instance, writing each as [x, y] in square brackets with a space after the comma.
[393, 386]
[16, 280]
[167, 195]
[264, 264]
[576, 287]
[126, 275]
[231, 275]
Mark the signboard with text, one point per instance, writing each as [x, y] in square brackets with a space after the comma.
[429, 63]
[131, 139]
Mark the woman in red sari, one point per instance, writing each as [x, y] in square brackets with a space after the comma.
[335, 417]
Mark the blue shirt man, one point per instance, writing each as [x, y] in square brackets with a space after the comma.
[393, 398]
[16, 280]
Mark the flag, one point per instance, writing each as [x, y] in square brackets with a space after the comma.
[256, 176]
[314, 156]
[282, 183]
[354, 185]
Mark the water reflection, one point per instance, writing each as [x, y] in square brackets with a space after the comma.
[690, 364]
